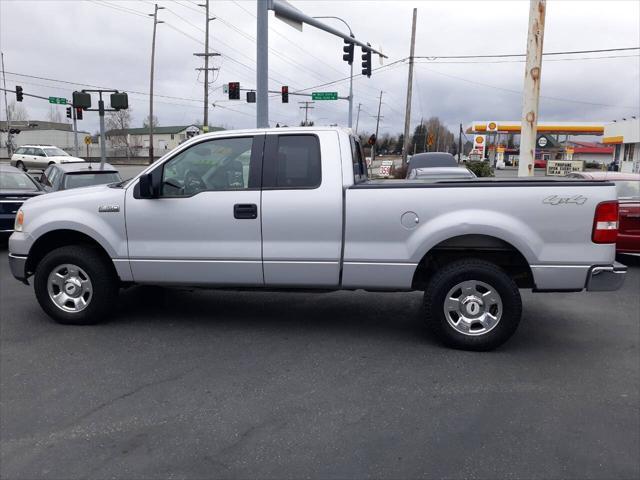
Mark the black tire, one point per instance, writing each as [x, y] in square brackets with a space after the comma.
[20, 166]
[104, 284]
[472, 270]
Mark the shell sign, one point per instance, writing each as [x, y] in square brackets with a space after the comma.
[492, 127]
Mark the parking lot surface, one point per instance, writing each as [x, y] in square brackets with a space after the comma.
[195, 384]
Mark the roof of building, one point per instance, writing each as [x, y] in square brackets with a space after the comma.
[513, 126]
[173, 129]
[29, 125]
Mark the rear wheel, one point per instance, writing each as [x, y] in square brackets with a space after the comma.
[473, 305]
[20, 165]
[76, 285]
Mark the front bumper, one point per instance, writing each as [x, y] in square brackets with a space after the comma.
[605, 278]
[18, 266]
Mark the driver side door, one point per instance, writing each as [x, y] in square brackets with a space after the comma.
[204, 226]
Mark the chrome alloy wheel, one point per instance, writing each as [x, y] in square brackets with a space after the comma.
[69, 288]
[473, 307]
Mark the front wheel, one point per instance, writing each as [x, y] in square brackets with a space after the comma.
[473, 305]
[76, 285]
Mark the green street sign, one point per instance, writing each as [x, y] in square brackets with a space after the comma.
[324, 96]
[58, 100]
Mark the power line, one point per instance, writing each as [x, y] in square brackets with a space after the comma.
[505, 55]
[520, 93]
[436, 62]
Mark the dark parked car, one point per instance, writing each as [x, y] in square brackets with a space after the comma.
[15, 188]
[441, 173]
[628, 188]
[75, 175]
[430, 160]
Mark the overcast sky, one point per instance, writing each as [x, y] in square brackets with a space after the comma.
[107, 43]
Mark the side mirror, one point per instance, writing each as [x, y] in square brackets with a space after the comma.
[146, 186]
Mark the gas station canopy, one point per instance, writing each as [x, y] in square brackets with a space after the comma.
[510, 126]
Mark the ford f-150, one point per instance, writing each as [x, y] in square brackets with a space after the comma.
[292, 208]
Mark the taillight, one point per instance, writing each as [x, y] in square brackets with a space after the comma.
[605, 223]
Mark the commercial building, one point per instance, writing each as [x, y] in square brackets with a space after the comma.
[40, 132]
[624, 135]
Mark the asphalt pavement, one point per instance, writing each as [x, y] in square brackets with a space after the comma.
[210, 384]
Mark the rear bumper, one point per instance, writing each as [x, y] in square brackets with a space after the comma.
[18, 266]
[605, 278]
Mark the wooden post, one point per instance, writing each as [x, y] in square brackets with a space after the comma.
[531, 92]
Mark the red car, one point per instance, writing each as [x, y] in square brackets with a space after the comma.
[539, 163]
[628, 187]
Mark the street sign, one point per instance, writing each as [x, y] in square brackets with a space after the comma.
[324, 96]
[58, 100]
[87, 140]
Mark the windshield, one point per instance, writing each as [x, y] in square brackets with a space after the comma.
[17, 181]
[88, 179]
[628, 188]
[55, 152]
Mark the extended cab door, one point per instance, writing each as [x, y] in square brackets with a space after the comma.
[204, 226]
[302, 209]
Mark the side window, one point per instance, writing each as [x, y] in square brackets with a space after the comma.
[53, 177]
[222, 164]
[359, 168]
[297, 162]
[28, 151]
[38, 152]
[20, 151]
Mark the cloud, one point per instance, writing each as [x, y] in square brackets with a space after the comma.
[108, 43]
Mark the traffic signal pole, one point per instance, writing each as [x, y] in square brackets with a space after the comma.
[75, 131]
[294, 17]
[262, 64]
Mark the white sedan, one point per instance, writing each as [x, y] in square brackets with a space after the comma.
[40, 157]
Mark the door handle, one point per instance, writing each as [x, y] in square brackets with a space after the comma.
[245, 210]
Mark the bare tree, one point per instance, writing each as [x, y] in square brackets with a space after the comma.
[54, 114]
[155, 123]
[117, 124]
[17, 112]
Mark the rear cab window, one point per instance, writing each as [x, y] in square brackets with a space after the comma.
[292, 162]
[359, 167]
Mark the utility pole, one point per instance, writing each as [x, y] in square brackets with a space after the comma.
[358, 118]
[306, 111]
[459, 143]
[531, 91]
[206, 69]
[6, 108]
[407, 114]
[373, 147]
[153, 54]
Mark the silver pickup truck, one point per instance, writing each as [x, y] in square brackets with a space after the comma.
[293, 209]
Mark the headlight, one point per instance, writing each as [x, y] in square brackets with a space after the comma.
[17, 226]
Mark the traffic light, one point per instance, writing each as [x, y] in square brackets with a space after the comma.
[78, 113]
[234, 90]
[82, 100]
[348, 52]
[285, 94]
[68, 112]
[119, 101]
[372, 139]
[366, 62]
[18, 93]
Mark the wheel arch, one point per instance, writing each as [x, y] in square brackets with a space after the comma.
[53, 239]
[480, 246]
